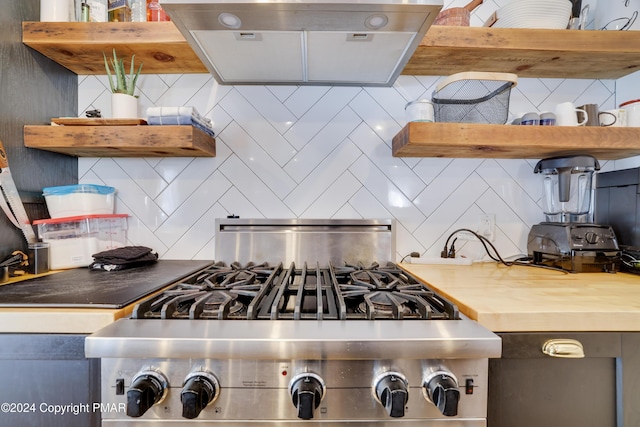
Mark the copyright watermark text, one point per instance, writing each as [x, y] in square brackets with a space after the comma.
[58, 409]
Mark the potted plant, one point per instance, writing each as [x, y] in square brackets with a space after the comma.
[124, 103]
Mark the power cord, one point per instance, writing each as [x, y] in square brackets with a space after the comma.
[450, 252]
[412, 255]
[629, 259]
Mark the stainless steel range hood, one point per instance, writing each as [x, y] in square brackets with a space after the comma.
[304, 42]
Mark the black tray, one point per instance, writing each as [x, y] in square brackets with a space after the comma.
[84, 288]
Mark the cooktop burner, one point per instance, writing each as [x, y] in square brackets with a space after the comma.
[263, 291]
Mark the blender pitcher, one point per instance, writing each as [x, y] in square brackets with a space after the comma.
[567, 187]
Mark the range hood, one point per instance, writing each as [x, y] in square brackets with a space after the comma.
[304, 42]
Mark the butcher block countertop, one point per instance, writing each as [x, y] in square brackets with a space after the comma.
[526, 299]
[58, 320]
[80, 301]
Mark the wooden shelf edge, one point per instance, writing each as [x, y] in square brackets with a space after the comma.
[526, 52]
[78, 46]
[444, 50]
[462, 140]
[531, 39]
[121, 141]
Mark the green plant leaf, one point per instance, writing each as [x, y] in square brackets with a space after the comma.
[119, 81]
[109, 75]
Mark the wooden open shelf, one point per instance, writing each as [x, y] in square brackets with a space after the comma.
[78, 46]
[121, 141]
[461, 140]
[568, 54]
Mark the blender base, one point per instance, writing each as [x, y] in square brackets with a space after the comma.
[574, 247]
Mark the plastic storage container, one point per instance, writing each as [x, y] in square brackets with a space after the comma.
[78, 200]
[474, 97]
[74, 240]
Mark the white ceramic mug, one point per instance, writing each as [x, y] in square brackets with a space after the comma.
[632, 109]
[615, 118]
[567, 115]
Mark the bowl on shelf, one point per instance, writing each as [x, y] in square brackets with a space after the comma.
[546, 14]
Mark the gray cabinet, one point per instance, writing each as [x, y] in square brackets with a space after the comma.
[45, 374]
[530, 389]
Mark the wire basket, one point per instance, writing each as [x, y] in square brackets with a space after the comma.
[474, 97]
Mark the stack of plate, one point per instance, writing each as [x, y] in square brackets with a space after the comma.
[550, 14]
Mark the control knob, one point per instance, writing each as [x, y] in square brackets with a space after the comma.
[391, 390]
[200, 389]
[148, 388]
[307, 391]
[441, 387]
[592, 238]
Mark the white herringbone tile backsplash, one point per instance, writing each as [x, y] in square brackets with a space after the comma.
[325, 152]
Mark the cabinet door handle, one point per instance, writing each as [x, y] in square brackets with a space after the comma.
[563, 347]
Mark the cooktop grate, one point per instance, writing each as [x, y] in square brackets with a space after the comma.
[310, 292]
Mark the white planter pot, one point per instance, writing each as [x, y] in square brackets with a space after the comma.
[124, 106]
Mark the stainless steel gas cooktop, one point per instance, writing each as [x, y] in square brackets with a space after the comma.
[303, 339]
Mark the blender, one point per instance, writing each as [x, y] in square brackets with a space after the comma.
[568, 239]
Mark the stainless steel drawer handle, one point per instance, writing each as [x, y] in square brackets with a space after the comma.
[563, 347]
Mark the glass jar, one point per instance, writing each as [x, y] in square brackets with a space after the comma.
[97, 10]
[138, 10]
[119, 11]
[419, 111]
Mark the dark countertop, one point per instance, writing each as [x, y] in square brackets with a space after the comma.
[84, 288]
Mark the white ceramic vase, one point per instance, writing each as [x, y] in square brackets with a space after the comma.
[124, 106]
[57, 11]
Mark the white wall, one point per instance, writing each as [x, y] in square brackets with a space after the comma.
[324, 152]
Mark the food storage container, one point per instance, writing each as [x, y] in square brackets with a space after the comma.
[74, 240]
[78, 200]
